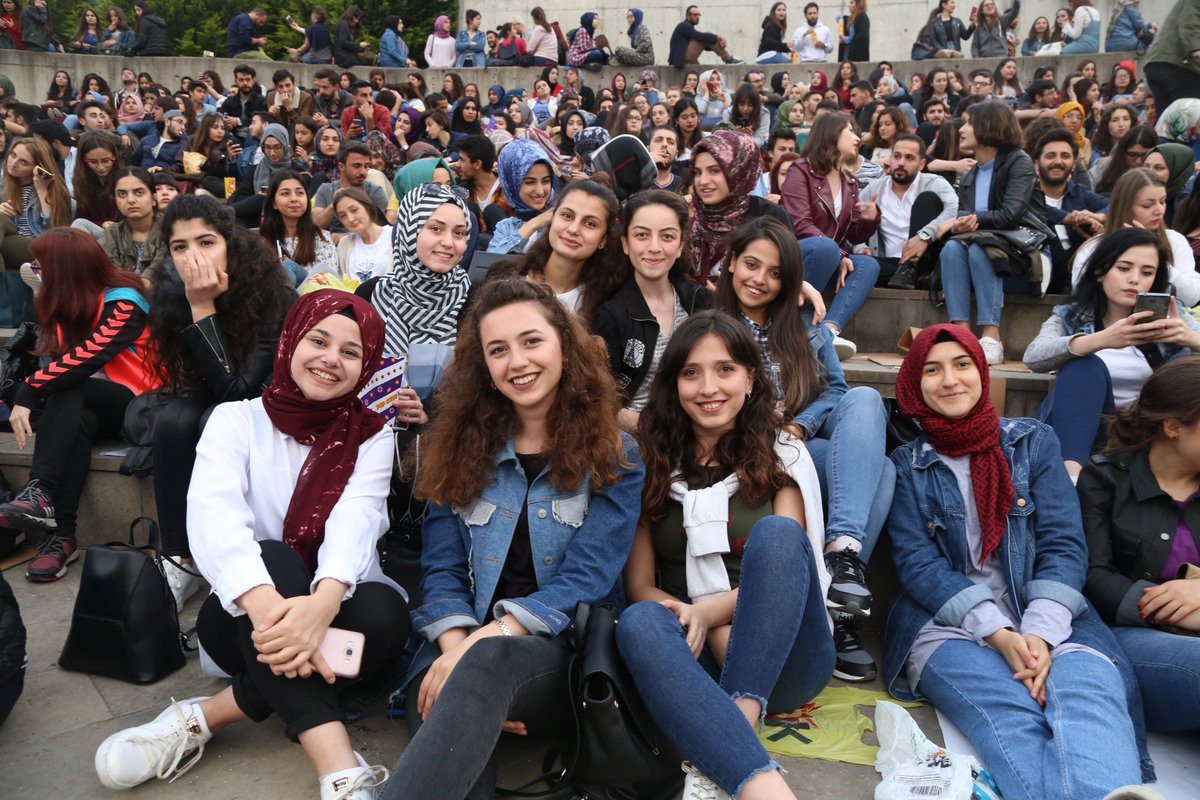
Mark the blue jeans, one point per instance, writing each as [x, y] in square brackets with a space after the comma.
[1081, 745]
[1077, 405]
[1088, 42]
[595, 56]
[309, 58]
[857, 477]
[778, 58]
[1168, 672]
[780, 649]
[822, 257]
[965, 269]
[295, 272]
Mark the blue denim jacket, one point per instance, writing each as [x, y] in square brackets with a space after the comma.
[820, 338]
[580, 540]
[1043, 552]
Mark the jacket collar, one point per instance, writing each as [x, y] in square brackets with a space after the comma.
[1012, 430]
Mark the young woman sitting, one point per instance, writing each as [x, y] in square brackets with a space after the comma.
[287, 227]
[34, 200]
[1143, 532]
[135, 241]
[511, 549]
[1102, 349]
[286, 504]
[219, 304]
[991, 625]
[365, 251]
[93, 322]
[844, 429]
[656, 294]
[731, 503]
[97, 160]
[527, 184]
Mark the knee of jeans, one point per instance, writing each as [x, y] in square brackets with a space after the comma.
[864, 402]
[820, 247]
[1089, 371]
[953, 251]
[866, 267]
[643, 621]
[777, 537]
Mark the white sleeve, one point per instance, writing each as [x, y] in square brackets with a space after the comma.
[220, 522]
[1183, 269]
[359, 517]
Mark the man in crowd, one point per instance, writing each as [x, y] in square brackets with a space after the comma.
[248, 154]
[813, 40]
[329, 98]
[476, 157]
[780, 141]
[912, 204]
[687, 43]
[365, 115]
[861, 96]
[1040, 98]
[287, 101]
[1073, 211]
[936, 113]
[243, 40]
[354, 161]
[164, 151]
[664, 149]
[242, 104]
[980, 83]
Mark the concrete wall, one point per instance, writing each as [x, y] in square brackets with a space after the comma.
[31, 72]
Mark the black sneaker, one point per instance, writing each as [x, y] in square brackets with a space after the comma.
[848, 588]
[904, 278]
[31, 510]
[853, 662]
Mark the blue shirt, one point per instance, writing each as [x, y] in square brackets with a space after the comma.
[983, 185]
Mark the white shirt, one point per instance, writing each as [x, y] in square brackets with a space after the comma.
[1184, 277]
[241, 487]
[368, 261]
[802, 43]
[1060, 230]
[1129, 370]
[895, 217]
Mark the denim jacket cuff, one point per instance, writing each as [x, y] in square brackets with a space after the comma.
[808, 422]
[955, 609]
[537, 618]
[434, 619]
[1127, 612]
[1057, 591]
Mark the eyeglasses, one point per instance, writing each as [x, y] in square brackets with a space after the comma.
[272, 148]
[1137, 155]
[98, 162]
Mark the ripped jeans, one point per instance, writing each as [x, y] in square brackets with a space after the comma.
[780, 648]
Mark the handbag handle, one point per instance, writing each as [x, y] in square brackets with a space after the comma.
[152, 530]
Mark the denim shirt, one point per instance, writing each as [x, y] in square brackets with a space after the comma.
[580, 540]
[820, 338]
[1043, 552]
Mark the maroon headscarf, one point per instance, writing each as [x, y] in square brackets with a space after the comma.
[978, 433]
[738, 157]
[821, 84]
[335, 428]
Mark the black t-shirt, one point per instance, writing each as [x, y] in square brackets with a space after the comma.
[517, 578]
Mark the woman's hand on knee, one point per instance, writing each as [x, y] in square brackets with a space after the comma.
[809, 294]
[695, 619]
[21, 427]
[1034, 677]
[438, 674]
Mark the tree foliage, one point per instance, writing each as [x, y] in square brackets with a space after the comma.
[198, 26]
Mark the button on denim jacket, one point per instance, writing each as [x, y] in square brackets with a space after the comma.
[580, 540]
[1043, 552]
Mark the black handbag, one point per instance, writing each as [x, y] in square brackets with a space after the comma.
[619, 752]
[124, 624]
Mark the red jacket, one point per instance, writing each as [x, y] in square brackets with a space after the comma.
[383, 118]
[808, 200]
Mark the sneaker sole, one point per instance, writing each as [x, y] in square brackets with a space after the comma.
[27, 522]
[50, 577]
[845, 676]
[101, 760]
[852, 606]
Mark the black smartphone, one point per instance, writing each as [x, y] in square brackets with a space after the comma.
[1157, 302]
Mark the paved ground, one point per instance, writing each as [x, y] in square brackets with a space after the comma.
[47, 745]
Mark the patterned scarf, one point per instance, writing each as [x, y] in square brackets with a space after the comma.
[418, 304]
[334, 428]
[323, 164]
[737, 156]
[977, 434]
[515, 160]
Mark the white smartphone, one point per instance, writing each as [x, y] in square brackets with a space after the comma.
[343, 651]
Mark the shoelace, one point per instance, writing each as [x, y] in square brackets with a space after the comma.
[34, 495]
[51, 545]
[169, 754]
[845, 637]
[847, 566]
[372, 777]
[703, 787]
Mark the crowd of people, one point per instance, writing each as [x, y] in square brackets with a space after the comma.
[630, 278]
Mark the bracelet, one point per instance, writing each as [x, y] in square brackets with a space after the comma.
[503, 626]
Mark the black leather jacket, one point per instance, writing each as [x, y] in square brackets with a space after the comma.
[1012, 199]
[1130, 523]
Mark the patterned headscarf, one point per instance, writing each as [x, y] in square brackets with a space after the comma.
[381, 146]
[738, 157]
[588, 141]
[323, 164]
[418, 304]
[514, 162]
[334, 428]
[651, 74]
[977, 434]
[1178, 121]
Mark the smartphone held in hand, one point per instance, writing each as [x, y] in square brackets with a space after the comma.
[343, 651]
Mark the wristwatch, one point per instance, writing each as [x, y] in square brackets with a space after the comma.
[925, 236]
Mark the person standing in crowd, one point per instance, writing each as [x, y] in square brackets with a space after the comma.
[990, 26]
[813, 40]
[318, 44]
[152, 39]
[687, 43]
[35, 28]
[393, 50]
[856, 37]
[439, 47]
[94, 316]
[243, 40]
[470, 43]
[10, 25]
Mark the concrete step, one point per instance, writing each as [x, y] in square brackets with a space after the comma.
[890, 312]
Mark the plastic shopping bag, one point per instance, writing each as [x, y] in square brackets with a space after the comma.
[915, 768]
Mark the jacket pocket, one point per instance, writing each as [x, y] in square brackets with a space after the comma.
[476, 513]
[570, 510]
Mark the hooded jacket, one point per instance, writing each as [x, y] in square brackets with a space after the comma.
[152, 39]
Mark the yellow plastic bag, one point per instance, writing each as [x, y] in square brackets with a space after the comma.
[829, 728]
[327, 280]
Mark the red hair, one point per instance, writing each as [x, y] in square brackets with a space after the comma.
[75, 272]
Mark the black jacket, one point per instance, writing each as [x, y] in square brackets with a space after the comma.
[345, 46]
[1130, 523]
[234, 107]
[1012, 201]
[772, 39]
[630, 330]
[152, 37]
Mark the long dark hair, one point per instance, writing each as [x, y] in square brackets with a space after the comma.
[1142, 135]
[1102, 140]
[1171, 392]
[682, 269]
[746, 93]
[273, 229]
[668, 439]
[1088, 296]
[251, 309]
[95, 193]
[1187, 213]
[681, 105]
[788, 335]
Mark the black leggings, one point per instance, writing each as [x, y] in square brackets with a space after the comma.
[376, 610]
[71, 422]
[176, 431]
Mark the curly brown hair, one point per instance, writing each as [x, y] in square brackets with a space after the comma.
[668, 440]
[474, 420]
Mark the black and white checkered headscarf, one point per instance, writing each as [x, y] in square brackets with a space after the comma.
[418, 304]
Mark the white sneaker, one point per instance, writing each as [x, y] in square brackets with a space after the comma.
[993, 350]
[844, 347]
[183, 583]
[31, 277]
[165, 748]
[357, 783]
[698, 786]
